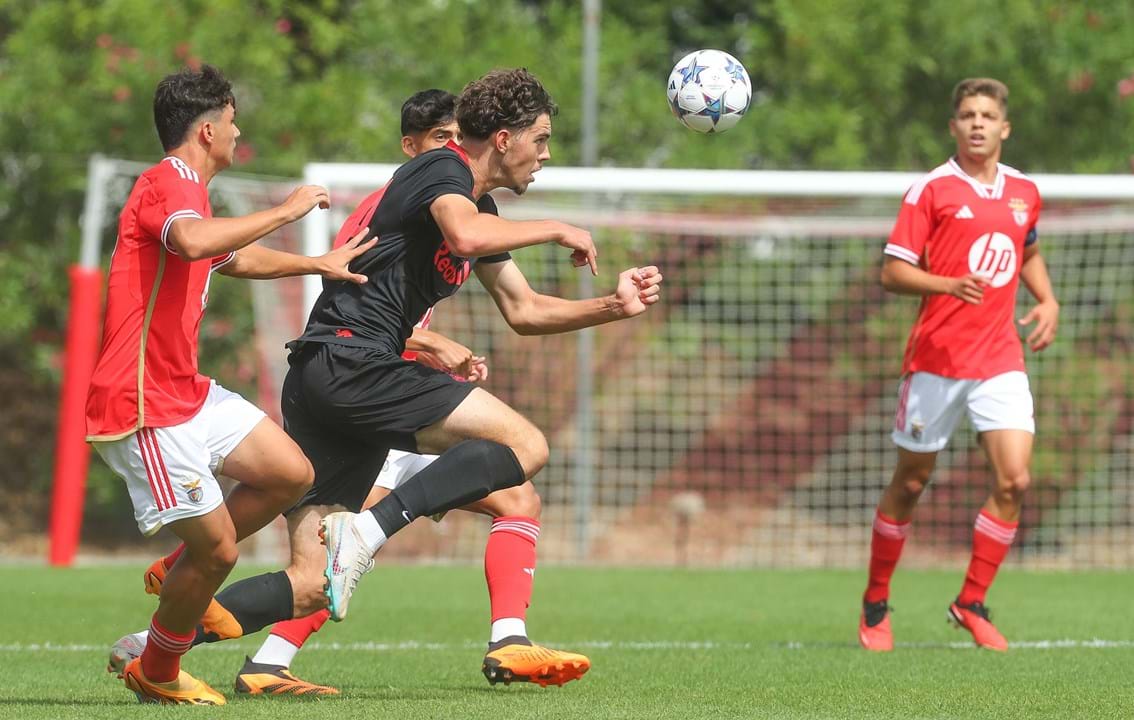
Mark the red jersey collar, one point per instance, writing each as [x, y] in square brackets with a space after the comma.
[459, 150]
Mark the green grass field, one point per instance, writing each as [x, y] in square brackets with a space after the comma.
[664, 644]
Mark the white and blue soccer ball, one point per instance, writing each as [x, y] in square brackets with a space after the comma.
[709, 91]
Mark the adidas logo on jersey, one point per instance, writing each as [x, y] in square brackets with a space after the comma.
[964, 213]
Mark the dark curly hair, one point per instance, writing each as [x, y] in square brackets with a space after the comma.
[183, 97]
[509, 99]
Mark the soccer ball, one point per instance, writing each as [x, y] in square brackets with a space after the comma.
[709, 91]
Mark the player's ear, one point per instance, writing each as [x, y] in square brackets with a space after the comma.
[1005, 130]
[408, 146]
[502, 139]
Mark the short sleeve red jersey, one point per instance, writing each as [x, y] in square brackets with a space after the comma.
[146, 375]
[360, 219]
[952, 225]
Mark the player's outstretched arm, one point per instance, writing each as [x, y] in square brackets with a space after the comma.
[531, 313]
[257, 262]
[1046, 312]
[470, 233]
[903, 278]
[200, 238]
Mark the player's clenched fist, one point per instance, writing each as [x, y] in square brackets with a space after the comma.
[303, 199]
[638, 288]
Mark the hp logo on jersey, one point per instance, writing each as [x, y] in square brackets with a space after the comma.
[994, 256]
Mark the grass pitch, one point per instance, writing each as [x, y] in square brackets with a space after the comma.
[664, 644]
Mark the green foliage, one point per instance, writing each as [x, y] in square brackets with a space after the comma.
[839, 84]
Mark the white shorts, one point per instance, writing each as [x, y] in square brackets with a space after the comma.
[401, 466]
[171, 471]
[930, 406]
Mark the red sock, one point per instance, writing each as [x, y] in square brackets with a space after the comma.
[509, 565]
[298, 630]
[161, 660]
[886, 543]
[171, 558]
[992, 537]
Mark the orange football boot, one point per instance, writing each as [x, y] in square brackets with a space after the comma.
[974, 618]
[874, 627]
[261, 679]
[216, 620]
[185, 690]
[516, 659]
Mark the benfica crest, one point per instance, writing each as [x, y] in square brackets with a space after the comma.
[194, 491]
[1019, 211]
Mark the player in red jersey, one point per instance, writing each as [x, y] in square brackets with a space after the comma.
[155, 420]
[965, 237]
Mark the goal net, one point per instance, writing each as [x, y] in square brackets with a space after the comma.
[744, 421]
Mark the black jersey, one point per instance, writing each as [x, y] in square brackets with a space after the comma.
[410, 268]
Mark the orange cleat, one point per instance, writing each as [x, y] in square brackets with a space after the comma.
[516, 659]
[874, 627]
[185, 690]
[216, 621]
[260, 679]
[974, 618]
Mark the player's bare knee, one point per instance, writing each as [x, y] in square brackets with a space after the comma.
[532, 452]
[302, 476]
[1014, 484]
[520, 501]
[912, 488]
[219, 561]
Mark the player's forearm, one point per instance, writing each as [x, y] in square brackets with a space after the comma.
[256, 262]
[487, 234]
[196, 239]
[1034, 275]
[902, 278]
[548, 315]
[423, 340]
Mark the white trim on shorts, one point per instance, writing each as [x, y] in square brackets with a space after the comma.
[930, 407]
[171, 472]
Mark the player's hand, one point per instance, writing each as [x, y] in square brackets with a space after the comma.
[582, 246]
[1046, 317]
[638, 288]
[454, 358]
[335, 265]
[303, 199]
[478, 370]
[969, 288]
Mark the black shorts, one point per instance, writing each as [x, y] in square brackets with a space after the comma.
[346, 407]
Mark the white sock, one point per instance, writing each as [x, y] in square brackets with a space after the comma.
[505, 627]
[367, 527]
[275, 651]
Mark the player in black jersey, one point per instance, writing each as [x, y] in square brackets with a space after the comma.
[349, 397]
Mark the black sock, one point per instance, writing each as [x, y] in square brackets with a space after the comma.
[254, 603]
[467, 472]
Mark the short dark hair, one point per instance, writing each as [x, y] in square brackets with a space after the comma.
[183, 97]
[502, 99]
[428, 109]
[988, 87]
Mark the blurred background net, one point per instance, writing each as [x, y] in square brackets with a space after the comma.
[744, 421]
